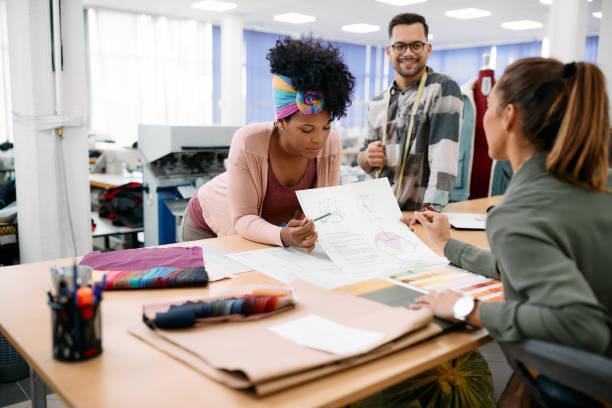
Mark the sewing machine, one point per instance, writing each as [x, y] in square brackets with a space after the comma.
[173, 157]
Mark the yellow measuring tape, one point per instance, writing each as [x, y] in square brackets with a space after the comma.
[415, 107]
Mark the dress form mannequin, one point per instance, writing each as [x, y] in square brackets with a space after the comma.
[481, 162]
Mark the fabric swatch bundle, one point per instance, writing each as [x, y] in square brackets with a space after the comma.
[256, 304]
[148, 268]
[164, 277]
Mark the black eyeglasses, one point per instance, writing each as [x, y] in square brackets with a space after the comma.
[416, 47]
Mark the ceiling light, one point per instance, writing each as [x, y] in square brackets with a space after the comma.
[467, 13]
[521, 25]
[549, 2]
[214, 5]
[294, 18]
[401, 2]
[597, 14]
[360, 28]
[430, 36]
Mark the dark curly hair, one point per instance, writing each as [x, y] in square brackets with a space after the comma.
[314, 66]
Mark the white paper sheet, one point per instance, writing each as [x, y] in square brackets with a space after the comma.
[219, 266]
[467, 220]
[285, 264]
[364, 231]
[324, 334]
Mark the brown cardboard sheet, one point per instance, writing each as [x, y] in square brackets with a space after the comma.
[248, 355]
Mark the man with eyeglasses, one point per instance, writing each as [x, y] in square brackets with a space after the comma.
[414, 145]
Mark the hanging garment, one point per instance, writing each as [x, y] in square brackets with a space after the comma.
[481, 162]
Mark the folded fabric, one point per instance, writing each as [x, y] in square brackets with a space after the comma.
[250, 306]
[165, 277]
[144, 259]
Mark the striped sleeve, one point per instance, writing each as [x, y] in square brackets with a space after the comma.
[445, 116]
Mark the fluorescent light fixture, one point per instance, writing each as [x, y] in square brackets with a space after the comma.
[294, 18]
[214, 5]
[547, 2]
[597, 14]
[521, 25]
[401, 2]
[360, 28]
[467, 13]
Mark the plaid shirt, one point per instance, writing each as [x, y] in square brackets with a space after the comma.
[431, 165]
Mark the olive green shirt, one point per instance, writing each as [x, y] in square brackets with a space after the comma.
[551, 245]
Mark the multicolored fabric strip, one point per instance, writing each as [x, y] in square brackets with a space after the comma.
[188, 313]
[164, 277]
[287, 100]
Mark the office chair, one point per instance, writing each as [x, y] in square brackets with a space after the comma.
[567, 377]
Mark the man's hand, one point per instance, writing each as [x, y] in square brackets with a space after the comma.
[373, 157]
[376, 154]
[300, 233]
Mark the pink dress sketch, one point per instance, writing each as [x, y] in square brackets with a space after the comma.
[395, 245]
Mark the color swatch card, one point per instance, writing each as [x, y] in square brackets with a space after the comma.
[360, 228]
[448, 277]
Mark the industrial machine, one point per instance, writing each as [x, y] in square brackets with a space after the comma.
[177, 159]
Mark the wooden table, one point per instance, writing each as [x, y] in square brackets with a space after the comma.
[130, 373]
[103, 180]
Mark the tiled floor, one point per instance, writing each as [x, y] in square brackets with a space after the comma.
[17, 395]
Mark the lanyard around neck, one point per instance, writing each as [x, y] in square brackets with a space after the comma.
[415, 107]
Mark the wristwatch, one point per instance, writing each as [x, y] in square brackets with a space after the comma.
[463, 307]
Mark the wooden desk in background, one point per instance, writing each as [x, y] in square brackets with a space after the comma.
[103, 180]
[104, 227]
[131, 373]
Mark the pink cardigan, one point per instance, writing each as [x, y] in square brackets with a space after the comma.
[232, 202]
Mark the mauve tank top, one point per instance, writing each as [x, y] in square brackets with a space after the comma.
[279, 204]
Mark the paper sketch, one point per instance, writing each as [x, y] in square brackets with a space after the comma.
[286, 264]
[364, 232]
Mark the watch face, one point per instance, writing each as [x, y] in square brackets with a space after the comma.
[463, 307]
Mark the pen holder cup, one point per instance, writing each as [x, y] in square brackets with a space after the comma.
[77, 331]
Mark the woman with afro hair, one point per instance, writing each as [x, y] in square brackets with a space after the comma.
[268, 162]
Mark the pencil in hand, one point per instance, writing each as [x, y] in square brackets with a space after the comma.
[319, 218]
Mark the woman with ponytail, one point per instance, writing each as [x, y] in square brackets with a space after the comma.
[269, 161]
[551, 235]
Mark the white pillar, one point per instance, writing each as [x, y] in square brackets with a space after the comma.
[567, 29]
[43, 211]
[232, 103]
[604, 51]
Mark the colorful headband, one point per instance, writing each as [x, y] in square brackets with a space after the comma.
[288, 101]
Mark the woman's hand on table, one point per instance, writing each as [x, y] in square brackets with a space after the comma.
[300, 233]
[441, 304]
